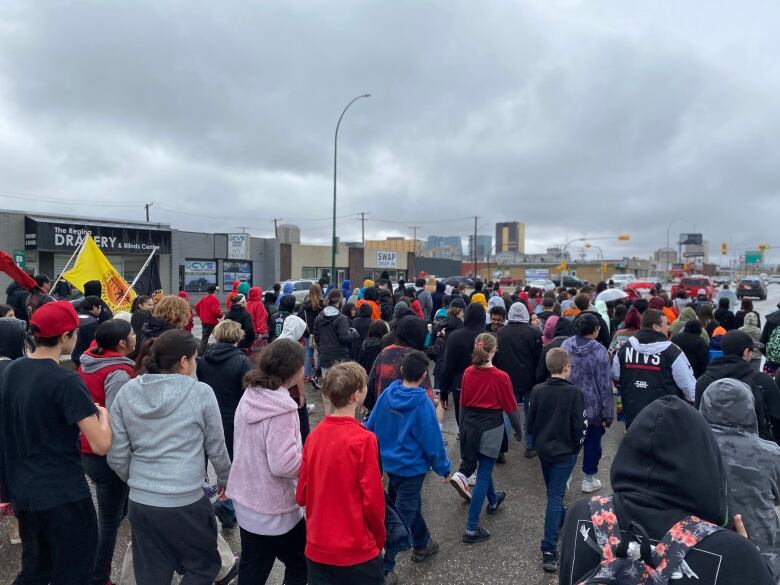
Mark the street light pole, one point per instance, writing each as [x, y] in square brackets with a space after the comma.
[335, 166]
[666, 252]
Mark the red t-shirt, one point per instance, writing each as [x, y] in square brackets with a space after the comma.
[341, 487]
[487, 388]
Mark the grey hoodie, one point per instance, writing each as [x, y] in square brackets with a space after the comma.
[91, 364]
[164, 426]
[752, 464]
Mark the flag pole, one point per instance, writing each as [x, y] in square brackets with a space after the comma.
[67, 265]
[137, 276]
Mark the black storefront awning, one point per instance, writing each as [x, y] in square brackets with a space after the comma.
[49, 234]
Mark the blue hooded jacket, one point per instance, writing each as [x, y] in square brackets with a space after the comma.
[346, 288]
[287, 290]
[410, 441]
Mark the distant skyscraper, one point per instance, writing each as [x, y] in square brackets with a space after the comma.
[510, 237]
[484, 246]
[289, 234]
[444, 242]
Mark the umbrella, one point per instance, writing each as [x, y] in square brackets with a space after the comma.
[611, 294]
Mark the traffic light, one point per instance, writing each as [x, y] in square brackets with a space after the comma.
[763, 247]
[624, 237]
[724, 249]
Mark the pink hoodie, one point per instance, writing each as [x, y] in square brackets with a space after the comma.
[267, 451]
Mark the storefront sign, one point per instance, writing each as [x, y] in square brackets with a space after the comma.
[20, 258]
[199, 274]
[385, 259]
[232, 271]
[54, 236]
[238, 247]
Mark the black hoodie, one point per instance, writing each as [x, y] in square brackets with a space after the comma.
[334, 336]
[223, 367]
[16, 298]
[657, 483]
[766, 395]
[152, 329]
[362, 321]
[460, 346]
[240, 315]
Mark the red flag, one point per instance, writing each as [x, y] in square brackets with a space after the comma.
[8, 266]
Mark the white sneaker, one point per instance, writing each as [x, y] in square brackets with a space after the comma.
[461, 485]
[591, 486]
[473, 479]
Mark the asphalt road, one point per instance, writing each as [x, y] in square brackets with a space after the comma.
[511, 556]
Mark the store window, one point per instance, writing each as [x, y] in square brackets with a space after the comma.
[233, 270]
[309, 272]
[199, 274]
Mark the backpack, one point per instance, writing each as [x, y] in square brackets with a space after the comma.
[630, 559]
[278, 323]
[773, 346]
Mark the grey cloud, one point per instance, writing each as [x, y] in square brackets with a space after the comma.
[577, 118]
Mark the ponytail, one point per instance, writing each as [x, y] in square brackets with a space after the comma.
[484, 344]
[161, 355]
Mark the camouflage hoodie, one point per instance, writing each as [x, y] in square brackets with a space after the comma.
[752, 464]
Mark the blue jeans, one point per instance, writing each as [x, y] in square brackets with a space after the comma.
[555, 477]
[407, 492]
[309, 361]
[483, 488]
[591, 449]
[529, 440]
[112, 508]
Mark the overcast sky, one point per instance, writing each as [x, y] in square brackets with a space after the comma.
[578, 118]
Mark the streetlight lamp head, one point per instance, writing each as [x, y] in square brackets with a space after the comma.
[366, 95]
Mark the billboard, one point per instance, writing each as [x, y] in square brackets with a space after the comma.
[691, 239]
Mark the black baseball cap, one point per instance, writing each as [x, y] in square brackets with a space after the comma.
[735, 342]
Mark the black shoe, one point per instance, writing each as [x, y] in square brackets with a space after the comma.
[420, 554]
[391, 578]
[480, 534]
[231, 575]
[501, 458]
[530, 453]
[550, 562]
[500, 497]
[315, 381]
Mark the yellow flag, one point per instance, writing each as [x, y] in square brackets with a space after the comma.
[93, 265]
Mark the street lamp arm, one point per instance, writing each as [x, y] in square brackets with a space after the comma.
[335, 167]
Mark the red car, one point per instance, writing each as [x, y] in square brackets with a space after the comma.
[638, 288]
[693, 284]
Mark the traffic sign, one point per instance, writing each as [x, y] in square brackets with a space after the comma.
[753, 257]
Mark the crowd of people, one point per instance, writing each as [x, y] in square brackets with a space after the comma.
[151, 413]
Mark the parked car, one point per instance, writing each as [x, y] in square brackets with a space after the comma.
[693, 284]
[751, 286]
[300, 289]
[569, 282]
[455, 281]
[545, 285]
[622, 280]
[774, 279]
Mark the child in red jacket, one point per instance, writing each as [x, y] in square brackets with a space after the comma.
[340, 486]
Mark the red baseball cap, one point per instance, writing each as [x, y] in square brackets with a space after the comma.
[54, 319]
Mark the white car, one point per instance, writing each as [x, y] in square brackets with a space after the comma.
[622, 280]
[774, 279]
[545, 285]
[300, 289]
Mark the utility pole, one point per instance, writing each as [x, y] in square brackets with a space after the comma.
[276, 220]
[363, 215]
[474, 248]
[147, 206]
[414, 229]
